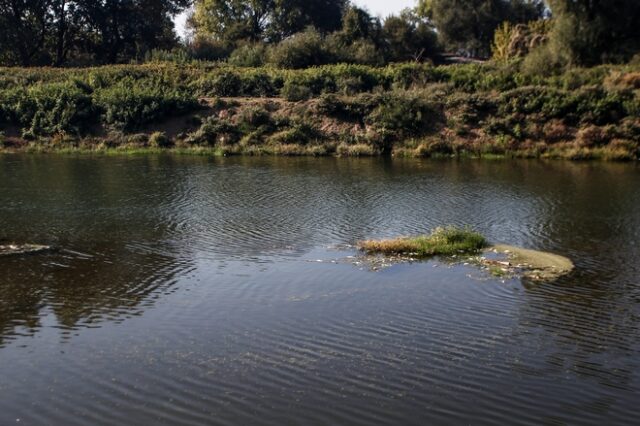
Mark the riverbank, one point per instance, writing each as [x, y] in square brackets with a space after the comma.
[406, 110]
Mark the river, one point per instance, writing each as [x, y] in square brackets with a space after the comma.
[193, 290]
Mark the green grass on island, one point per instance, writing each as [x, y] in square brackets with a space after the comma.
[443, 241]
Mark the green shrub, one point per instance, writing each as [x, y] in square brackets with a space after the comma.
[407, 76]
[295, 92]
[159, 140]
[356, 150]
[249, 55]
[226, 83]
[177, 55]
[204, 49]
[46, 109]
[259, 84]
[299, 134]
[301, 50]
[252, 118]
[403, 115]
[131, 105]
[362, 52]
[214, 130]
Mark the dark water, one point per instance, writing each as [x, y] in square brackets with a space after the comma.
[202, 291]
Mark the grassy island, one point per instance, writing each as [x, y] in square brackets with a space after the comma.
[499, 259]
[412, 110]
[441, 241]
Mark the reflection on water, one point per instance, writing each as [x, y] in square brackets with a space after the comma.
[188, 291]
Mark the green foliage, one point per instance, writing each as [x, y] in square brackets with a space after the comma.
[295, 92]
[402, 114]
[249, 55]
[49, 108]
[225, 83]
[588, 105]
[202, 48]
[178, 56]
[404, 109]
[253, 118]
[469, 25]
[408, 38]
[236, 21]
[516, 41]
[130, 104]
[592, 32]
[302, 50]
[357, 24]
[159, 140]
[298, 133]
[54, 32]
[214, 130]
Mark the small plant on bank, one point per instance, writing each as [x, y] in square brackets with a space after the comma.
[159, 140]
[442, 241]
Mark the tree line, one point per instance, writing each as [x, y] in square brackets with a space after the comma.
[300, 33]
[58, 32]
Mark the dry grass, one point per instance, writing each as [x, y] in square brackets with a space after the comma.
[356, 150]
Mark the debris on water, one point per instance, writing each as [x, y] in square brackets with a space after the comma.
[498, 261]
[20, 249]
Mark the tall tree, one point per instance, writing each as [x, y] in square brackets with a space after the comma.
[230, 21]
[24, 26]
[358, 24]
[589, 32]
[408, 37]
[48, 32]
[293, 16]
[470, 24]
[234, 21]
[121, 29]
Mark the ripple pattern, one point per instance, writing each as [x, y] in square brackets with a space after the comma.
[208, 291]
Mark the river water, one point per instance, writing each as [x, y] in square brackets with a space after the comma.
[193, 290]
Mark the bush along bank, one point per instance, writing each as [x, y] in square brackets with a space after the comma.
[413, 110]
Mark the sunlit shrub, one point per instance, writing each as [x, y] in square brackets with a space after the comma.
[301, 50]
[130, 105]
[249, 55]
[159, 140]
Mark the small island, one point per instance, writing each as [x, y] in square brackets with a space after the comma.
[499, 259]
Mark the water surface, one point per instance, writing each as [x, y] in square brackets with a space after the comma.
[188, 290]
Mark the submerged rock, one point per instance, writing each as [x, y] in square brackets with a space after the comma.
[500, 260]
[17, 249]
[532, 264]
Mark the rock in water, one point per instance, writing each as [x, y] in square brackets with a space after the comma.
[17, 249]
[535, 265]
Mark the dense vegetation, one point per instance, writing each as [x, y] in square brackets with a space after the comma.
[404, 109]
[323, 77]
[298, 34]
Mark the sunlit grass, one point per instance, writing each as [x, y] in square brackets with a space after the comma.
[442, 241]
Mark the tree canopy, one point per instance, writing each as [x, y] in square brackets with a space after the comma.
[55, 32]
[84, 32]
[234, 21]
[469, 25]
[589, 32]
